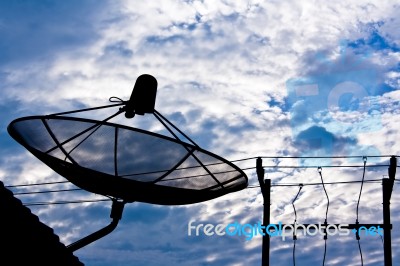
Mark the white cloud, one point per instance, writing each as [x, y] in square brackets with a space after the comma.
[223, 66]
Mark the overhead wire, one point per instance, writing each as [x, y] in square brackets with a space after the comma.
[83, 201]
[38, 184]
[325, 183]
[47, 191]
[326, 157]
[31, 204]
[63, 202]
[248, 168]
[324, 166]
[251, 186]
[237, 160]
[281, 184]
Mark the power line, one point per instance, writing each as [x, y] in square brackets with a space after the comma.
[47, 191]
[223, 172]
[315, 157]
[319, 168]
[38, 184]
[318, 184]
[323, 166]
[250, 186]
[62, 202]
[265, 166]
[244, 169]
[326, 157]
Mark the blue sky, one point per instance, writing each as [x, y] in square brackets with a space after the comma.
[241, 78]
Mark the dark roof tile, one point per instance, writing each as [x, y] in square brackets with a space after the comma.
[27, 241]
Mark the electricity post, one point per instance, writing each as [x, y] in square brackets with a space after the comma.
[387, 188]
[265, 186]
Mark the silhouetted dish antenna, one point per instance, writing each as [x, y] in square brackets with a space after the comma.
[125, 163]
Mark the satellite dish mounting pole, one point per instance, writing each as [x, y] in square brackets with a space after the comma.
[265, 186]
[116, 214]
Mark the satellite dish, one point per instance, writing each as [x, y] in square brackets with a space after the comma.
[125, 163]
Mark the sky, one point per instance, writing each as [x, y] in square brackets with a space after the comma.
[243, 79]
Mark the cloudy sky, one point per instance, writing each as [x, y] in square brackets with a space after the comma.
[242, 79]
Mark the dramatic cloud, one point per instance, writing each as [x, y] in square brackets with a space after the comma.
[242, 79]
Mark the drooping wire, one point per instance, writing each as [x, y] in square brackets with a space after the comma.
[323, 261]
[295, 221]
[326, 194]
[358, 203]
[359, 249]
[326, 214]
[362, 183]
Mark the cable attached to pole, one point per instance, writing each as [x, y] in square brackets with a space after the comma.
[362, 184]
[357, 233]
[295, 222]
[326, 213]
[326, 194]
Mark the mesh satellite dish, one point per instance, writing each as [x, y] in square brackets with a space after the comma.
[125, 163]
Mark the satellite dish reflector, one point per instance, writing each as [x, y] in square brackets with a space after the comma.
[125, 162]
